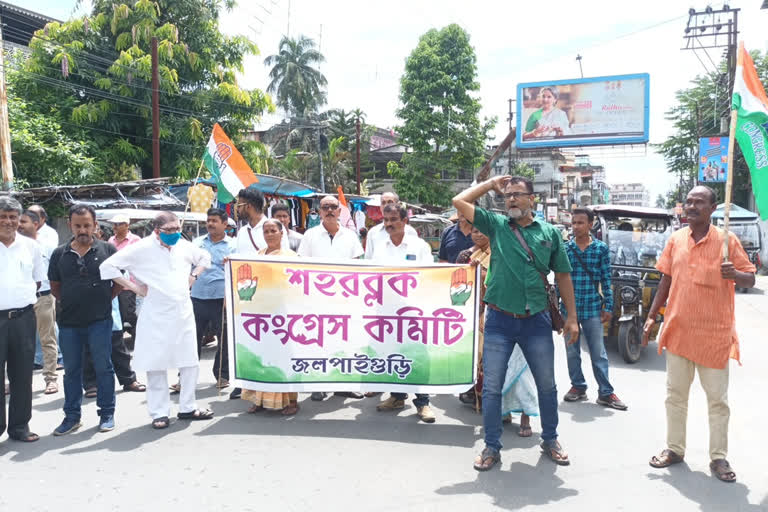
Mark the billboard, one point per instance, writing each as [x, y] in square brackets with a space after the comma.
[713, 159]
[583, 112]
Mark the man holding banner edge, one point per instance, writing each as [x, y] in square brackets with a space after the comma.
[515, 317]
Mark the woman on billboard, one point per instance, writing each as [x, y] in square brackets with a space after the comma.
[548, 121]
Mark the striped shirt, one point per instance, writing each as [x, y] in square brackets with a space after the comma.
[699, 322]
[597, 259]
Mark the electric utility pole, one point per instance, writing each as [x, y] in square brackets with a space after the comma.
[155, 112]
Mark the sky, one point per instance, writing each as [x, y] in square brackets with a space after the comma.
[366, 44]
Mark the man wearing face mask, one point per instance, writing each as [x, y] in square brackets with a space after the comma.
[165, 334]
[517, 305]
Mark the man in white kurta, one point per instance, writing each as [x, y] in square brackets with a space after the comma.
[165, 266]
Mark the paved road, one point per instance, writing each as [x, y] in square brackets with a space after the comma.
[343, 455]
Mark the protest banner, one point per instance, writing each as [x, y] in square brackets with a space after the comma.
[296, 325]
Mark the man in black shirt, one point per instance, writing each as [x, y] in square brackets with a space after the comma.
[86, 317]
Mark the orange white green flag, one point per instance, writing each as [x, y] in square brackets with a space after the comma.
[227, 165]
[751, 104]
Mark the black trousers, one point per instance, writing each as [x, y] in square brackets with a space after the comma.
[121, 360]
[17, 353]
[208, 314]
[126, 300]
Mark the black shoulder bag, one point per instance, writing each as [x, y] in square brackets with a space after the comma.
[554, 311]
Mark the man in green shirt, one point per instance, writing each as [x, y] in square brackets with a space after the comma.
[518, 311]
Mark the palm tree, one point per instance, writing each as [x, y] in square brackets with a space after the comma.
[299, 87]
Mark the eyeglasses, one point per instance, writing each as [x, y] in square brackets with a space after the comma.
[327, 207]
[170, 230]
[516, 195]
[81, 267]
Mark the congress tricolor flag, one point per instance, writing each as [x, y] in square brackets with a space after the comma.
[751, 104]
[227, 165]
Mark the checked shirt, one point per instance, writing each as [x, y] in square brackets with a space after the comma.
[597, 259]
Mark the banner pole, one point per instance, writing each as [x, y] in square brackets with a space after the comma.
[729, 183]
[221, 348]
[186, 207]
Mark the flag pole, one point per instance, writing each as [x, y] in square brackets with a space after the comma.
[199, 170]
[729, 178]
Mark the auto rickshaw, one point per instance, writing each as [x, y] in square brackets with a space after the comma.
[635, 237]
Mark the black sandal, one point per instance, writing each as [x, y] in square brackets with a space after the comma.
[160, 423]
[199, 414]
[29, 437]
[487, 459]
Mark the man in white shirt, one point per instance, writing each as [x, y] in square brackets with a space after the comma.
[45, 307]
[250, 238]
[331, 241]
[377, 232]
[399, 248]
[21, 271]
[46, 235]
[165, 333]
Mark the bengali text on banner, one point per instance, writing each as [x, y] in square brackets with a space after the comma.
[295, 325]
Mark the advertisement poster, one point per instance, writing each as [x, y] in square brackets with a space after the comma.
[300, 326]
[713, 159]
[583, 112]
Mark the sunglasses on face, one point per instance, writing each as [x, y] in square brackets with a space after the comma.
[329, 207]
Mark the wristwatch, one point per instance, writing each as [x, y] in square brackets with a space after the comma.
[195, 276]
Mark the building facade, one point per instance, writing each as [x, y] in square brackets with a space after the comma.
[630, 194]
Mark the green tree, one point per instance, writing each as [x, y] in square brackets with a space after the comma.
[299, 87]
[702, 110]
[440, 114]
[93, 75]
[661, 201]
[523, 169]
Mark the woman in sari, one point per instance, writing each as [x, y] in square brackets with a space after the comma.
[519, 391]
[285, 402]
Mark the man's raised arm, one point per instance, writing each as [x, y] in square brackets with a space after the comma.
[465, 201]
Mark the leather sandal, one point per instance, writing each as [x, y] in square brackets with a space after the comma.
[51, 388]
[665, 459]
[555, 452]
[487, 459]
[722, 470]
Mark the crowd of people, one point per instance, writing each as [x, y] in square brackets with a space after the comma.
[79, 296]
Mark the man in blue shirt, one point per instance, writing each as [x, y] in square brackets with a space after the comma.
[591, 263]
[208, 290]
[454, 240]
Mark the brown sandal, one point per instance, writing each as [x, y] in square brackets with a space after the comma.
[722, 470]
[665, 459]
[525, 431]
[51, 388]
[91, 393]
[290, 409]
[255, 408]
[487, 459]
[555, 452]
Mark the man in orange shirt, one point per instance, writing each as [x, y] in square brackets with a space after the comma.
[699, 325]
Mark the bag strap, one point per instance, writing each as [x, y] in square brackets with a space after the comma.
[584, 266]
[522, 241]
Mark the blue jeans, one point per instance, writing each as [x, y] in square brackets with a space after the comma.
[421, 399]
[592, 335]
[72, 341]
[534, 335]
[39, 351]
